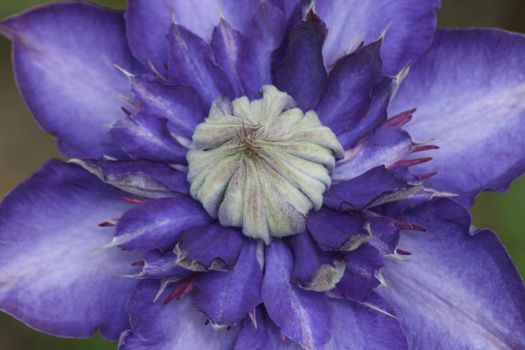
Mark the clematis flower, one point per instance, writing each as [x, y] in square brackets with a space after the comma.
[247, 175]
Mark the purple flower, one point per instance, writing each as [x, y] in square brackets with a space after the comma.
[246, 174]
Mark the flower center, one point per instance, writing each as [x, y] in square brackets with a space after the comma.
[262, 165]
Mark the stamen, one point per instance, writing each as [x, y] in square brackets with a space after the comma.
[133, 200]
[422, 148]
[182, 289]
[400, 119]
[402, 225]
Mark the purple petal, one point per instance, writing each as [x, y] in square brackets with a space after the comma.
[228, 44]
[212, 247]
[144, 136]
[385, 146]
[51, 258]
[336, 230]
[177, 325]
[265, 36]
[227, 297]
[141, 178]
[67, 77]
[314, 269]
[162, 266]
[149, 25]
[455, 290]
[363, 189]
[179, 105]
[359, 278]
[192, 64]
[347, 96]
[158, 224]
[262, 334]
[375, 115]
[302, 73]
[302, 316]
[362, 327]
[468, 90]
[409, 25]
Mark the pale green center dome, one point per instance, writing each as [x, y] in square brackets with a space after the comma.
[262, 165]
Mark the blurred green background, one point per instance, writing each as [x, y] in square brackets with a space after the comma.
[23, 147]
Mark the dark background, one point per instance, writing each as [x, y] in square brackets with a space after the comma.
[23, 148]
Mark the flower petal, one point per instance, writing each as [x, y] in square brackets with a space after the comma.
[144, 136]
[51, 258]
[149, 25]
[192, 64]
[67, 76]
[362, 190]
[141, 178]
[212, 247]
[456, 290]
[227, 297]
[314, 269]
[347, 98]
[469, 91]
[262, 334]
[162, 266]
[177, 325]
[158, 224]
[302, 73]
[303, 316]
[265, 36]
[409, 25]
[336, 230]
[385, 146]
[178, 104]
[361, 327]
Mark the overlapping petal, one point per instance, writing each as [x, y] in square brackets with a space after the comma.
[51, 256]
[470, 93]
[63, 60]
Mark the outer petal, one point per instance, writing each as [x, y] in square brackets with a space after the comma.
[227, 297]
[303, 316]
[470, 93]
[178, 325]
[53, 274]
[456, 291]
[64, 56]
[158, 224]
[410, 23]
